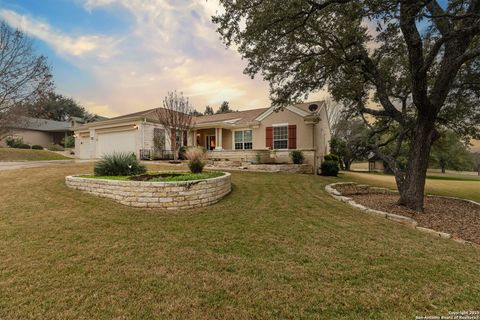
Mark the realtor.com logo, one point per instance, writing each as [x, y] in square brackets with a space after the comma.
[453, 315]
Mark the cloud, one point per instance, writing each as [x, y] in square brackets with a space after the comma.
[168, 45]
[62, 43]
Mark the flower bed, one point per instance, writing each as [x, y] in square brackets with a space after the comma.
[160, 190]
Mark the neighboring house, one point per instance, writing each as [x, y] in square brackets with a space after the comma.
[239, 135]
[41, 132]
[375, 164]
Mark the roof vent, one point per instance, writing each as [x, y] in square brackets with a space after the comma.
[313, 107]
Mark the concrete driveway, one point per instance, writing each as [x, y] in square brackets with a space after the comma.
[13, 165]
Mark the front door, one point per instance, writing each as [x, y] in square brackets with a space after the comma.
[210, 143]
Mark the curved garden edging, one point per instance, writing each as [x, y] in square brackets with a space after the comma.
[166, 195]
[397, 218]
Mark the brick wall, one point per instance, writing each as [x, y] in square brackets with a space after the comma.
[164, 195]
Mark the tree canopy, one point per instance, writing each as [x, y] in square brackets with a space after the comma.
[224, 108]
[408, 68]
[60, 108]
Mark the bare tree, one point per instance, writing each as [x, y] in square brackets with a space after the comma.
[176, 117]
[334, 113]
[24, 76]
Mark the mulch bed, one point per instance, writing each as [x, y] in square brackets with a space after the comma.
[459, 218]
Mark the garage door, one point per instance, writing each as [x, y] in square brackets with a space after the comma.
[108, 143]
[84, 147]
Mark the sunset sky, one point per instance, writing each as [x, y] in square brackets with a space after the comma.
[122, 56]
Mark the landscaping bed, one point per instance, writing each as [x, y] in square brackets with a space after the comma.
[458, 217]
[164, 190]
[162, 176]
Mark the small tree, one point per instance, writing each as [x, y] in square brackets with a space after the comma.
[224, 108]
[349, 141]
[449, 152]
[25, 76]
[476, 162]
[208, 111]
[176, 117]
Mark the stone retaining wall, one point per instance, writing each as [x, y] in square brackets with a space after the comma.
[285, 167]
[165, 195]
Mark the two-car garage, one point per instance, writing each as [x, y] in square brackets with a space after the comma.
[98, 142]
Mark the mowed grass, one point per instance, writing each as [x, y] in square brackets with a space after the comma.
[277, 247]
[12, 154]
[462, 186]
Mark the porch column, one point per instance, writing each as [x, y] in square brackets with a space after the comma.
[194, 138]
[218, 138]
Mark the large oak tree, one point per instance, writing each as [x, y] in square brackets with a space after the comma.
[406, 67]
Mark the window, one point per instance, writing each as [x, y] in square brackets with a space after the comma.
[243, 140]
[280, 137]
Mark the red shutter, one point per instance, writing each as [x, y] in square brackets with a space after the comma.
[269, 137]
[292, 136]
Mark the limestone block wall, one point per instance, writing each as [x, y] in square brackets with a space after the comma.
[165, 195]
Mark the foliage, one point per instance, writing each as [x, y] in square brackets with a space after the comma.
[332, 157]
[14, 142]
[25, 76]
[208, 111]
[449, 152]
[37, 147]
[22, 146]
[297, 156]
[176, 117]
[59, 108]
[181, 153]
[196, 113]
[68, 142]
[377, 59]
[224, 108]
[55, 147]
[349, 141]
[330, 168]
[196, 159]
[476, 161]
[118, 164]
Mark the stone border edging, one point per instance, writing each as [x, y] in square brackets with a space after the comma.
[171, 195]
[394, 217]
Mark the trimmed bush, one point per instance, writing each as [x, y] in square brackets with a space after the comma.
[55, 147]
[22, 146]
[330, 168]
[332, 157]
[196, 159]
[119, 164]
[297, 156]
[181, 153]
[37, 147]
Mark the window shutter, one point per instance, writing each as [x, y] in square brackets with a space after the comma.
[269, 137]
[292, 136]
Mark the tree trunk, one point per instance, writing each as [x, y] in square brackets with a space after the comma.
[413, 188]
[443, 168]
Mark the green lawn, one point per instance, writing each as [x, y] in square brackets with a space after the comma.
[278, 247]
[463, 186]
[11, 154]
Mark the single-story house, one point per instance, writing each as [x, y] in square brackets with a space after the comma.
[241, 135]
[43, 132]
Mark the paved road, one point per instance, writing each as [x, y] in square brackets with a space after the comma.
[7, 165]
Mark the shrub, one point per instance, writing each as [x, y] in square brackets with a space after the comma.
[14, 142]
[55, 147]
[196, 157]
[297, 156]
[118, 164]
[68, 142]
[181, 153]
[329, 168]
[22, 146]
[37, 147]
[332, 157]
